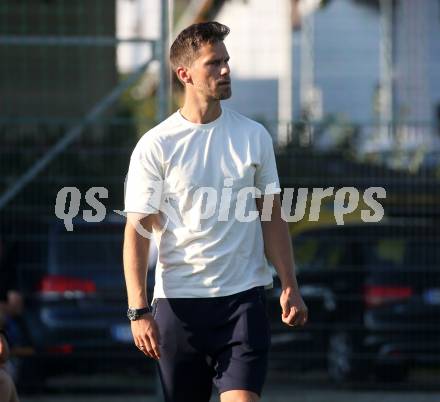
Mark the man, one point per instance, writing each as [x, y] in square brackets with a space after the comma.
[208, 323]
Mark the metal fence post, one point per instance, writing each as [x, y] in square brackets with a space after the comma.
[164, 79]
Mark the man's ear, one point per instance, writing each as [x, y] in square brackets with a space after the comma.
[183, 75]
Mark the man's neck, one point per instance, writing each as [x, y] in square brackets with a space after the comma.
[201, 112]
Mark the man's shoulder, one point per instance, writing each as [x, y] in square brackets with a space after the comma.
[238, 118]
[164, 128]
[156, 135]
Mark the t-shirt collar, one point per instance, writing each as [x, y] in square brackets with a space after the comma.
[201, 126]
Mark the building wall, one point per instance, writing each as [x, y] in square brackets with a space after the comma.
[412, 61]
[136, 19]
[254, 46]
[346, 58]
[434, 60]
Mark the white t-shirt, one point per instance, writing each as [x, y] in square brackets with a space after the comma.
[207, 246]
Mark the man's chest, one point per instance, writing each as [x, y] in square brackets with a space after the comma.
[209, 163]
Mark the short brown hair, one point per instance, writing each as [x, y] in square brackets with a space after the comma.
[184, 49]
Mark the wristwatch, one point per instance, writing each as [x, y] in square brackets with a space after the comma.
[134, 314]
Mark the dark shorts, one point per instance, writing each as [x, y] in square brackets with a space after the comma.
[221, 340]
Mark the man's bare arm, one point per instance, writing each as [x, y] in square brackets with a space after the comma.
[278, 250]
[135, 252]
[277, 245]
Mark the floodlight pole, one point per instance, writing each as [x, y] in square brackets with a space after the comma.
[163, 98]
[307, 74]
[285, 74]
[386, 92]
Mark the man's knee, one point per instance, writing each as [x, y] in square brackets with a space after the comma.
[239, 396]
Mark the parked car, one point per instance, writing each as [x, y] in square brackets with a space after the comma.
[379, 291]
[75, 315]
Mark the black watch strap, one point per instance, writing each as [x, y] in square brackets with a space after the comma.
[134, 314]
[144, 310]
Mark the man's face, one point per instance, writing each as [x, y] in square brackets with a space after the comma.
[210, 72]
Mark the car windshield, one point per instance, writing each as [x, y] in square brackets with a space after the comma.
[319, 252]
[396, 252]
[331, 251]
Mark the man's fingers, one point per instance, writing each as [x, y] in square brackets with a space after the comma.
[144, 345]
[139, 343]
[150, 341]
[290, 317]
[154, 339]
[147, 349]
[147, 338]
[294, 310]
[295, 318]
[285, 306]
[300, 318]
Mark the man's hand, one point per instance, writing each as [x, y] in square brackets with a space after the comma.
[294, 311]
[146, 336]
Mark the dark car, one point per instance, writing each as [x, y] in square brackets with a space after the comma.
[75, 316]
[377, 289]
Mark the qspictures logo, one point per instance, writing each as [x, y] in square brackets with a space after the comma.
[204, 204]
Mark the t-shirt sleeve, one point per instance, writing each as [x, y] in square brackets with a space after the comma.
[144, 182]
[266, 175]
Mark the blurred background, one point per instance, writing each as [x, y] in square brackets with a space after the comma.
[349, 91]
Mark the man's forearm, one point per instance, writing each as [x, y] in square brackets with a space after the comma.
[277, 245]
[135, 266]
[279, 252]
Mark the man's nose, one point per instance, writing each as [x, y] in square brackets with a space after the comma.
[225, 69]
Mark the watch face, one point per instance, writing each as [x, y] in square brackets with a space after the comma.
[131, 314]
